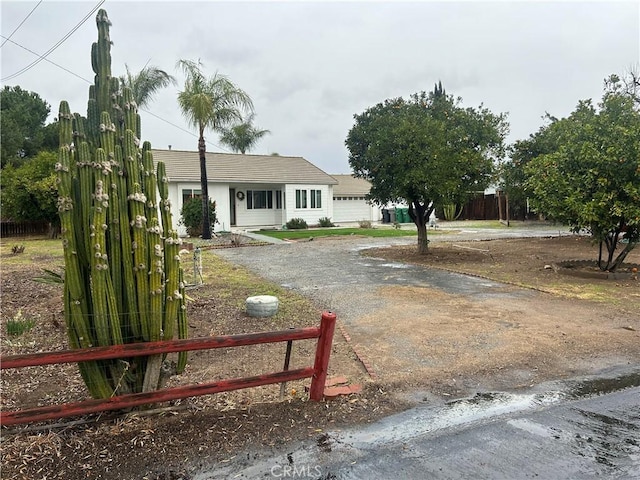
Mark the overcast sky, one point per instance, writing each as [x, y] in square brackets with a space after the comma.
[310, 66]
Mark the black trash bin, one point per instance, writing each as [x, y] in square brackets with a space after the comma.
[386, 217]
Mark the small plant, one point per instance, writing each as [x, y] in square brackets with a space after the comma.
[451, 211]
[236, 239]
[17, 249]
[18, 325]
[364, 224]
[397, 225]
[297, 224]
[191, 214]
[325, 222]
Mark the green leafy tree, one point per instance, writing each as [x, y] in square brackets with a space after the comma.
[243, 136]
[146, 83]
[427, 151]
[29, 192]
[591, 180]
[512, 171]
[22, 119]
[209, 103]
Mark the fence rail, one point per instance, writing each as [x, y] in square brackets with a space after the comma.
[318, 373]
[23, 229]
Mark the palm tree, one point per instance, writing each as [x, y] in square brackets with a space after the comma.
[146, 83]
[243, 136]
[213, 103]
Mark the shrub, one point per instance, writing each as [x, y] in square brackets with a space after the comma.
[325, 222]
[297, 224]
[18, 325]
[364, 224]
[192, 216]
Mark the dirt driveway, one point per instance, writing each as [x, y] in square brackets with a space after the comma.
[419, 327]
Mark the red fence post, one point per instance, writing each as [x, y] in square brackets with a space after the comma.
[323, 352]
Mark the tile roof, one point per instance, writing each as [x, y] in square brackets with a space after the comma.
[350, 185]
[184, 166]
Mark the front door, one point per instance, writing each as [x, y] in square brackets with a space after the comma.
[232, 205]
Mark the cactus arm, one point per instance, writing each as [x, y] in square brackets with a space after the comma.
[99, 259]
[128, 280]
[183, 326]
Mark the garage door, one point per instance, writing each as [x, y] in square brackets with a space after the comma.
[350, 209]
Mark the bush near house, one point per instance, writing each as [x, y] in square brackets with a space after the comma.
[191, 214]
[297, 224]
[325, 222]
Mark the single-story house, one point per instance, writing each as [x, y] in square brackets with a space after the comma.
[250, 191]
[349, 204]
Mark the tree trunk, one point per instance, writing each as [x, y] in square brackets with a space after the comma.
[620, 259]
[204, 187]
[611, 243]
[420, 215]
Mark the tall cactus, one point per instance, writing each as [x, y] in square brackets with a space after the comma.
[123, 276]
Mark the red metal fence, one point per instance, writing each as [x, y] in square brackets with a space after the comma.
[318, 373]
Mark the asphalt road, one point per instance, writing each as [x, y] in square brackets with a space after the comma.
[584, 429]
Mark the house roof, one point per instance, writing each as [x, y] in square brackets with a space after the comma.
[184, 166]
[350, 185]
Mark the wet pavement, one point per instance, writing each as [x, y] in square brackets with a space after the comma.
[585, 428]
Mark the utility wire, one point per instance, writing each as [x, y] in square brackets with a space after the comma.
[45, 59]
[183, 129]
[60, 42]
[24, 20]
[89, 82]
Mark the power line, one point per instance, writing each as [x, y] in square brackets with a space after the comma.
[60, 42]
[45, 59]
[183, 129]
[24, 20]
[90, 82]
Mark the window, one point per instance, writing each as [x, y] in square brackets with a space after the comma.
[259, 199]
[279, 199]
[316, 198]
[301, 199]
[189, 193]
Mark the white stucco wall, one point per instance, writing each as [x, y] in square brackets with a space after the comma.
[217, 192]
[309, 215]
[258, 216]
[254, 217]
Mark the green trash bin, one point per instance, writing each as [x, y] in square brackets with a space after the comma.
[402, 215]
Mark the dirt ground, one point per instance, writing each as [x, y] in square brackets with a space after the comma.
[558, 327]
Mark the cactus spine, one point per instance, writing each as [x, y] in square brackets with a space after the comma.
[123, 275]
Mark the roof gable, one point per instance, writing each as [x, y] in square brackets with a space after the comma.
[184, 166]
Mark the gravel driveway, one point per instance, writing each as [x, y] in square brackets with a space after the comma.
[332, 272]
[421, 326]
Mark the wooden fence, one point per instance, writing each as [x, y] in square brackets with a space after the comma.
[317, 372]
[24, 229]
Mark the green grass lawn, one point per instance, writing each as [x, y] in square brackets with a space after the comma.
[406, 231]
